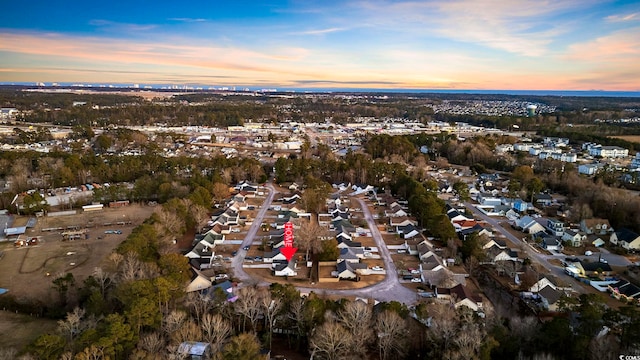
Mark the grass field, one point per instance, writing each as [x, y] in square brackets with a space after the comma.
[20, 330]
[630, 138]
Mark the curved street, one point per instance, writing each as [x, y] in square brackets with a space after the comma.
[390, 289]
[540, 258]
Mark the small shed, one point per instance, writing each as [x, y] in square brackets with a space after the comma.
[192, 350]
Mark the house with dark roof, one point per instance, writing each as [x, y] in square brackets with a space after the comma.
[625, 238]
[591, 269]
[408, 231]
[501, 244]
[626, 291]
[352, 255]
[543, 199]
[347, 270]
[285, 268]
[460, 295]
[550, 242]
[346, 242]
[573, 237]
[550, 297]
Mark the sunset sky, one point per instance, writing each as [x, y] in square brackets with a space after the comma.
[443, 44]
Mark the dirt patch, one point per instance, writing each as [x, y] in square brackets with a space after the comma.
[28, 272]
[20, 330]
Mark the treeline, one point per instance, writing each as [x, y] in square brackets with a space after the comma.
[150, 177]
[425, 205]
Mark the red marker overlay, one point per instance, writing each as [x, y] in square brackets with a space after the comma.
[288, 250]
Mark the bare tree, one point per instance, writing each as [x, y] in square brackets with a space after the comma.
[173, 321]
[391, 331]
[72, 325]
[356, 317]
[248, 306]
[129, 268]
[309, 236]
[331, 341]
[199, 304]
[295, 314]
[187, 332]
[103, 279]
[271, 307]
[220, 192]
[215, 331]
[150, 347]
[200, 214]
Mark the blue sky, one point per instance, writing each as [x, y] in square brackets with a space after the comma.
[461, 44]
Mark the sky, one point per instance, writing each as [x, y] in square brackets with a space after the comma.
[386, 44]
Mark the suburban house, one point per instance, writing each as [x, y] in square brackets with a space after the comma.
[225, 288]
[625, 238]
[529, 225]
[459, 295]
[497, 254]
[626, 291]
[500, 244]
[574, 238]
[352, 255]
[454, 215]
[520, 205]
[556, 227]
[347, 270]
[247, 187]
[401, 221]
[199, 281]
[596, 226]
[274, 256]
[478, 229]
[395, 211]
[592, 269]
[407, 232]
[285, 268]
[550, 242]
[543, 199]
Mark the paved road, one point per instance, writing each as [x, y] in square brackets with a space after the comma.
[237, 260]
[390, 289]
[543, 259]
[540, 258]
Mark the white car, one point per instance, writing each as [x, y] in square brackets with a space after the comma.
[588, 253]
[376, 268]
[416, 280]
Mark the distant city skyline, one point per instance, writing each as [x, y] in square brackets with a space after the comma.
[464, 44]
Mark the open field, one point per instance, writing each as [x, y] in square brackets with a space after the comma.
[19, 330]
[29, 271]
[630, 138]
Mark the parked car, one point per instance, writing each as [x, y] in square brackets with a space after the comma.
[588, 253]
[221, 276]
[246, 248]
[376, 268]
[416, 280]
